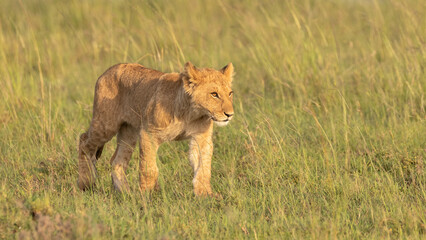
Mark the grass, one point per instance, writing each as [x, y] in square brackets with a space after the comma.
[328, 140]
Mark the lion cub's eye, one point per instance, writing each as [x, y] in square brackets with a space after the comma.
[230, 94]
[214, 94]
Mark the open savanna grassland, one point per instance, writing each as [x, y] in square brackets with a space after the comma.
[328, 139]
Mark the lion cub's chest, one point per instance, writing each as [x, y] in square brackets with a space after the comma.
[179, 130]
[175, 131]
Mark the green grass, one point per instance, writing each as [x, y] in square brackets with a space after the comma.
[328, 140]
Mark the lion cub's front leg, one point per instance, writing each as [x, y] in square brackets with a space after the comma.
[148, 174]
[200, 156]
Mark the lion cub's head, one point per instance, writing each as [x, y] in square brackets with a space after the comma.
[211, 91]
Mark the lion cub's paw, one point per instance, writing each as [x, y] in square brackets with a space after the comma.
[209, 193]
[152, 186]
[120, 183]
[216, 196]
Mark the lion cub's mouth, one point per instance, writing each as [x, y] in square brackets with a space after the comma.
[221, 123]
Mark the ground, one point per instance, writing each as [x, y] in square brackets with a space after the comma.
[327, 140]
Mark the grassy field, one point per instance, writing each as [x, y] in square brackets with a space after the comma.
[328, 141]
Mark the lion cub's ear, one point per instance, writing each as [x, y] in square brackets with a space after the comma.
[191, 72]
[228, 71]
[190, 77]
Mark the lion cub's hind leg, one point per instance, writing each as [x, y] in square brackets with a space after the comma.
[90, 148]
[86, 166]
[126, 141]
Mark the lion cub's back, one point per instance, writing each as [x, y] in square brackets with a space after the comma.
[123, 76]
[129, 73]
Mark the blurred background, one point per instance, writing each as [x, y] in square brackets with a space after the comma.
[327, 141]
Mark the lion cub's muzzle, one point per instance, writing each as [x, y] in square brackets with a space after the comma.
[224, 122]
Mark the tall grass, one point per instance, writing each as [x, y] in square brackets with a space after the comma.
[328, 140]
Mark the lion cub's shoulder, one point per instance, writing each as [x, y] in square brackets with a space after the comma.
[170, 77]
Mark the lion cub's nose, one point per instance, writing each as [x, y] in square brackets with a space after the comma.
[228, 114]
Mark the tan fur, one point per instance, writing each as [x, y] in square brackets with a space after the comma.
[138, 103]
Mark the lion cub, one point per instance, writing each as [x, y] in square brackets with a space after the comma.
[138, 103]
